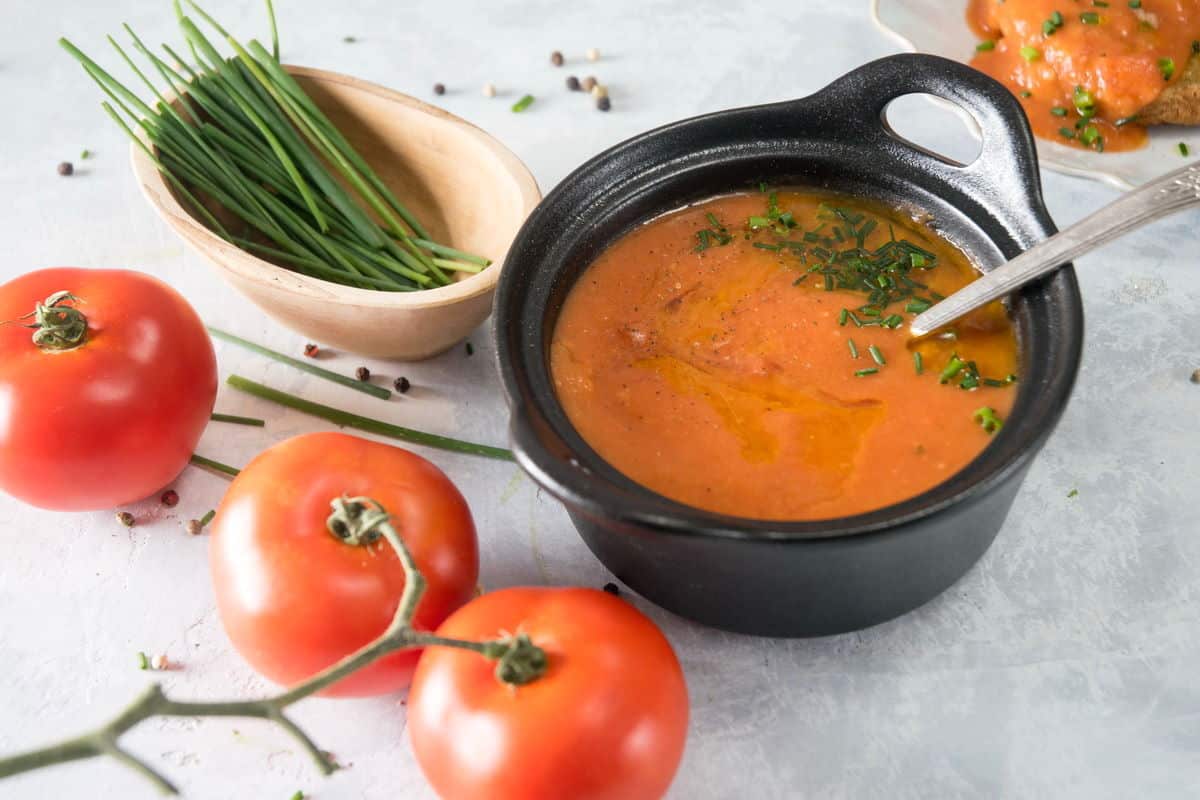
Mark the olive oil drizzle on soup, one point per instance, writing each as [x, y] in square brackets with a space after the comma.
[750, 355]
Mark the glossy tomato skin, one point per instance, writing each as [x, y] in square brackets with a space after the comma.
[607, 721]
[294, 599]
[115, 419]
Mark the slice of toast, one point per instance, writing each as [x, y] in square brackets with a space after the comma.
[1179, 104]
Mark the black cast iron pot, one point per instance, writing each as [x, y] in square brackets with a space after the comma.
[794, 578]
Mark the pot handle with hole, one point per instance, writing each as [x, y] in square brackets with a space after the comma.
[1007, 159]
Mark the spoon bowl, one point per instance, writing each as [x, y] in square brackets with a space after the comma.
[470, 191]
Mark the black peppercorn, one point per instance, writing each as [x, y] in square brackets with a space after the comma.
[170, 498]
[439, 88]
[66, 168]
[612, 589]
[603, 103]
[573, 83]
[311, 350]
[125, 518]
[470, 349]
[402, 385]
[363, 374]
[556, 58]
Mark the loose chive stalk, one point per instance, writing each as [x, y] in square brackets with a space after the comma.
[312, 369]
[236, 420]
[1183, 149]
[201, 461]
[522, 104]
[349, 420]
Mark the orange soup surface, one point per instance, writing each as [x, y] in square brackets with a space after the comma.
[749, 355]
[1083, 70]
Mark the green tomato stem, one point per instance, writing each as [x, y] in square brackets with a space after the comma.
[518, 660]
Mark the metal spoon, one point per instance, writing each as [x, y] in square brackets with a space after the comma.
[1160, 197]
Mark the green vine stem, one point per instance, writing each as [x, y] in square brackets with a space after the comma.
[358, 522]
[57, 326]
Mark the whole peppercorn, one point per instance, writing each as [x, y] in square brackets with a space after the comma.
[363, 374]
[402, 385]
[159, 661]
[599, 91]
[612, 589]
[311, 350]
[125, 518]
[573, 83]
[170, 498]
[489, 90]
[193, 527]
[556, 58]
[592, 54]
[603, 103]
[439, 88]
[589, 82]
[470, 348]
[1196, 376]
[66, 168]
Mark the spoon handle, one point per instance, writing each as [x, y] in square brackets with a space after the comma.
[1160, 197]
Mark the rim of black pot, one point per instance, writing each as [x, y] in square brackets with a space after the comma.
[998, 196]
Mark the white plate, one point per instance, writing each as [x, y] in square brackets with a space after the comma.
[928, 26]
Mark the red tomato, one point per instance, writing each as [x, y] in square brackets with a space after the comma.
[115, 418]
[294, 598]
[607, 720]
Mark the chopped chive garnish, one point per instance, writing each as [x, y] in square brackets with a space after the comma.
[829, 283]
[985, 45]
[1183, 149]
[712, 220]
[1066, 133]
[862, 373]
[877, 355]
[759, 222]
[1167, 67]
[970, 381]
[842, 317]
[1099, 3]
[1072, 494]
[988, 419]
[917, 306]
[522, 104]
[952, 369]
[800, 280]
[918, 362]
[142, 661]
[1057, 18]
[853, 348]
[1089, 18]
[1135, 3]
[1026, 93]
[1058, 111]
[857, 322]
[1196, 47]
[1123, 121]
[764, 246]
[1084, 102]
[995, 383]
[1030, 54]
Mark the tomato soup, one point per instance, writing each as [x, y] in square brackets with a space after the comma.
[1083, 70]
[749, 355]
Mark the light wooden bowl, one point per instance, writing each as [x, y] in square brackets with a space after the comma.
[469, 190]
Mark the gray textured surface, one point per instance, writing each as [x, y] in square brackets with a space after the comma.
[1065, 665]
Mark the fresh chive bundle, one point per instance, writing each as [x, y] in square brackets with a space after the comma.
[243, 133]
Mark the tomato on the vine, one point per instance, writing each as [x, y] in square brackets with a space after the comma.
[608, 718]
[294, 598]
[107, 380]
